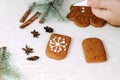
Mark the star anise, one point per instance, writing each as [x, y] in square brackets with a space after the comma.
[48, 29]
[35, 33]
[33, 58]
[27, 50]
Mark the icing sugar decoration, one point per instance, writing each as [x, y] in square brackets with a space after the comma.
[58, 44]
[83, 9]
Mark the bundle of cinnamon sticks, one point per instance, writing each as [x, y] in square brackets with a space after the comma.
[29, 21]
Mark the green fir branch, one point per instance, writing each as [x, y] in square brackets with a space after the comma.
[6, 69]
[48, 9]
[59, 13]
[35, 4]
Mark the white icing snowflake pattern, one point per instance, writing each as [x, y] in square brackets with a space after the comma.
[57, 44]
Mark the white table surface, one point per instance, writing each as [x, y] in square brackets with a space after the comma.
[73, 67]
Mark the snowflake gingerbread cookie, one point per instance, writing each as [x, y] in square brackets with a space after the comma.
[57, 46]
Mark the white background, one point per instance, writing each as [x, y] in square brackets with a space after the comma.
[73, 67]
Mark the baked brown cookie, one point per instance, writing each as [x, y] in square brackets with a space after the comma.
[82, 16]
[58, 46]
[94, 50]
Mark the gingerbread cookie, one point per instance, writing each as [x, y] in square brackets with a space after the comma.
[82, 16]
[58, 46]
[94, 50]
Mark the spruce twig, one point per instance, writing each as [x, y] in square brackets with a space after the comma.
[52, 9]
[6, 69]
[58, 13]
[44, 15]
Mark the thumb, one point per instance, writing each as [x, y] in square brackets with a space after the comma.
[101, 13]
[99, 3]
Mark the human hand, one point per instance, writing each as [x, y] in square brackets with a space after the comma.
[108, 10]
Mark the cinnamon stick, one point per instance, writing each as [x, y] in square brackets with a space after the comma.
[26, 14]
[29, 21]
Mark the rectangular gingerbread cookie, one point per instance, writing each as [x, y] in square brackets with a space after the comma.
[93, 50]
[58, 46]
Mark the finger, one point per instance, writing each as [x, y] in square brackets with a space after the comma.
[101, 13]
[98, 3]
